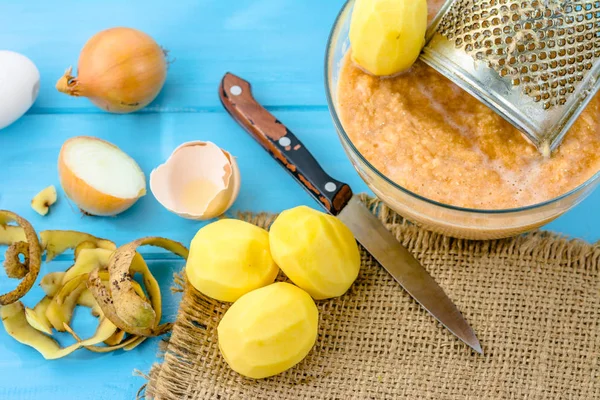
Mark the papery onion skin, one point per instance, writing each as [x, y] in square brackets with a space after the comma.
[121, 70]
[88, 199]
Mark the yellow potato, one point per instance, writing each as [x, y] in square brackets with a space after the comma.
[268, 330]
[316, 251]
[229, 258]
[387, 35]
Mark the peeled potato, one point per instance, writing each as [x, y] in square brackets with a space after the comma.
[268, 330]
[229, 258]
[316, 251]
[387, 35]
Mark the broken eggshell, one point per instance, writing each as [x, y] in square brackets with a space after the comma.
[199, 181]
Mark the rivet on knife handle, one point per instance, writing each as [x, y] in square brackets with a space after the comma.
[273, 136]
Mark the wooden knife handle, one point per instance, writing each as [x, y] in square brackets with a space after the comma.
[273, 136]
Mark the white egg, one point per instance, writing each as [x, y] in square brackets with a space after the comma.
[19, 86]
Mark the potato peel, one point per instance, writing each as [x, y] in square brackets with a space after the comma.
[33, 258]
[16, 325]
[101, 279]
[52, 282]
[105, 330]
[57, 242]
[82, 246]
[116, 338]
[87, 261]
[128, 344]
[133, 310]
[60, 310]
[106, 303]
[36, 316]
[15, 268]
[10, 234]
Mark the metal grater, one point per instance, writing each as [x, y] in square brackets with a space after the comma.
[534, 62]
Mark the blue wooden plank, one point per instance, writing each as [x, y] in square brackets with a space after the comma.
[277, 44]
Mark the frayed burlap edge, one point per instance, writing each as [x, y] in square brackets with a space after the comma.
[537, 244]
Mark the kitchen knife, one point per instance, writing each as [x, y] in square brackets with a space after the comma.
[337, 198]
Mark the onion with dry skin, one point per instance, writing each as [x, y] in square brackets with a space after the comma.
[121, 70]
[99, 177]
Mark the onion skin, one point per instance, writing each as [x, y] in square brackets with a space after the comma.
[88, 199]
[121, 70]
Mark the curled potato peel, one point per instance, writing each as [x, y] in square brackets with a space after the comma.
[87, 261]
[83, 246]
[128, 344]
[56, 242]
[10, 234]
[52, 282]
[116, 338]
[36, 316]
[16, 325]
[133, 310]
[97, 265]
[33, 257]
[15, 268]
[107, 306]
[60, 310]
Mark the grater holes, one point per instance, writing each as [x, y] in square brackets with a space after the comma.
[528, 41]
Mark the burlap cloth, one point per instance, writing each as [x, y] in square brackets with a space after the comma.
[533, 301]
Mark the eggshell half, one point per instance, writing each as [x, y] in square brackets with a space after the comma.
[192, 162]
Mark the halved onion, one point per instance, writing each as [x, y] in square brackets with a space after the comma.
[99, 177]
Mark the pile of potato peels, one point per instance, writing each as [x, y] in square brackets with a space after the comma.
[101, 278]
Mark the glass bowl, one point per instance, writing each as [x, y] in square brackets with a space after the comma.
[442, 218]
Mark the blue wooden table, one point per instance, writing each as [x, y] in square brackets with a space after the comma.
[278, 45]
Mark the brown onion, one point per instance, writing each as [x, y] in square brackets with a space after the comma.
[121, 70]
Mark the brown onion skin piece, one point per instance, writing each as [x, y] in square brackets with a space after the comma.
[34, 257]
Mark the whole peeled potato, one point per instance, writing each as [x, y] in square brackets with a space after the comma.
[387, 35]
[229, 258]
[316, 251]
[268, 330]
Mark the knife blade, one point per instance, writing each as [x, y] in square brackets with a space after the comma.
[337, 198]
